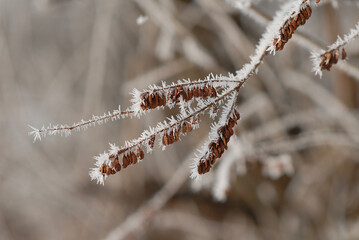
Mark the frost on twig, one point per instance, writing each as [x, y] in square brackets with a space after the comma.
[167, 133]
[324, 59]
[157, 97]
[287, 21]
[218, 140]
[66, 130]
[291, 12]
[206, 92]
[132, 152]
[193, 98]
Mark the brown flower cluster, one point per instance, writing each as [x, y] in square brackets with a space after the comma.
[216, 149]
[205, 91]
[331, 57]
[151, 142]
[131, 157]
[154, 99]
[286, 32]
[127, 159]
[173, 136]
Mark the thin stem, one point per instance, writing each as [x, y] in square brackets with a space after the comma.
[66, 130]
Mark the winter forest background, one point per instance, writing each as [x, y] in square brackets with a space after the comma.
[291, 171]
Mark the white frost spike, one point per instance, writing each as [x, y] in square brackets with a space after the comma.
[113, 149]
[95, 173]
[213, 112]
[136, 100]
[101, 159]
[316, 59]
[35, 133]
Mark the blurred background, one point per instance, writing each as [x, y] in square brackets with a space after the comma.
[291, 173]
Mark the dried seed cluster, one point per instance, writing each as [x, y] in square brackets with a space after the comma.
[173, 136]
[170, 138]
[286, 32]
[151, 142]
[154, 99]
[128, 158]
[216, 149]
[205, 91]
[331, 57]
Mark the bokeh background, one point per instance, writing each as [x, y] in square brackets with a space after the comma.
[292, 172]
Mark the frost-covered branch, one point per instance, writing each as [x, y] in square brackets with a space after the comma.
[66, 130]
[294, 17]
[272, 40]
[324, 59]
[168, 132]
[301, 39]
[156, 97]
[111, 162]
[194, 98]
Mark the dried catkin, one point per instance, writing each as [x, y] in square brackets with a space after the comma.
[154, 99]
[331, 57]
[286, 32]
[217, 148]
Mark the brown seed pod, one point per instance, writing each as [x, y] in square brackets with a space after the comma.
[336, 56]
[217, 148]
[289, 27]
[190, 95]
[125, 161]
[133, 158]
[140, 154]
[195, 92]
[151, 142]
[116, 164]
[344, 54]
[331, 57]
[189, 129]
[184, 128]
[176, 135]
[165, 140]
[151, 100]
